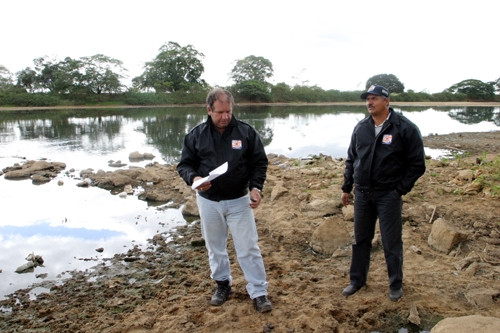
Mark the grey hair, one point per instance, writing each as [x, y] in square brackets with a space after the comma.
[215, 94]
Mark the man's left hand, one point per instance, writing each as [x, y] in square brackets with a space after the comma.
[255, 198]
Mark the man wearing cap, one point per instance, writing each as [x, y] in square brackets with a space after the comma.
[384, 160]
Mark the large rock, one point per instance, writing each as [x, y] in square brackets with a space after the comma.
[329, 236]
[39, 171]
[467, 324]
[444, 237]
[318, 208]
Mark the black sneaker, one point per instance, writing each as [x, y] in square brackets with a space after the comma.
[221, 294]
[262, 304]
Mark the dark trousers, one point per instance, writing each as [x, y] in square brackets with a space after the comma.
[387, 206]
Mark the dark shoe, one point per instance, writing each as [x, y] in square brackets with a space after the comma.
[262, 304]
[394, 295]
[350, 290]
[221, 294]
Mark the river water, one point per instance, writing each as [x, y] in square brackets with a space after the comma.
[65, 224]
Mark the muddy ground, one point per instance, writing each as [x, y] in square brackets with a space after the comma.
[167, 287]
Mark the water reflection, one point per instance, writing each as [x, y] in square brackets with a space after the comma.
[476, 115]
[65, 224]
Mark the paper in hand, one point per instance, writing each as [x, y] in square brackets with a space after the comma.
[220, 170]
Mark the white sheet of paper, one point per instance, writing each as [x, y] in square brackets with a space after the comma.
[220, 170]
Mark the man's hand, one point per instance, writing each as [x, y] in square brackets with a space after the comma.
[345, 199]
[255, 198]
[203, 187]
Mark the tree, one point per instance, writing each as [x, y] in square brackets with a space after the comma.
[389, 81]
[5, 78]
[252, 68]
[101, 74]
[254, 91]
[175, 68]
[27, 79]
[496, 85]
[474, 89]
[59, 77]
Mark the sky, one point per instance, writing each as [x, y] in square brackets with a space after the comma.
[428, 44]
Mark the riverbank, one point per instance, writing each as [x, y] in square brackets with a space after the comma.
[305, 237]
[69, 107]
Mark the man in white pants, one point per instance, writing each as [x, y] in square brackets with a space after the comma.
[227, 202]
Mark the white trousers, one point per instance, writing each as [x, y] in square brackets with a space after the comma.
[236, 216]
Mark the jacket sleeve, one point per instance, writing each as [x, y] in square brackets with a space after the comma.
[349, 165]
[257, 162]
[189, 163]
[415, 160]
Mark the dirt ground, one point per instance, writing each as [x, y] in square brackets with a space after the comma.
[167, 287]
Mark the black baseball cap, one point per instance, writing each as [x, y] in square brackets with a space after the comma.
[375, 90]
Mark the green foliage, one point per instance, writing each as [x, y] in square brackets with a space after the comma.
[252, 91]
[175, 68]
[309, 94]
[101, 74]
[282, 93]
[178, 97]
[58, 77]
[474, 89]
[252, 68]
[389, 81]
[22, 98]
[175, 75]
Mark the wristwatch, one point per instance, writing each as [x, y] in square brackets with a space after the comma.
[255, 188]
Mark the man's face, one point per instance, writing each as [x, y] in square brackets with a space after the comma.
[221, 113]
[376, 105]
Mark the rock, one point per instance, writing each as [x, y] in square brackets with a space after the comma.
[464, 263]
[128, 189]
[482, 297]
[135, 156]
[443, 236]
[33, 261]
[414, 317]
[329, 236]
[415, 249]
[348, 213]
[191, 208]
[39, 171]
[473, 188]
[39, 179]
[466, 324]
[278, 191]
[465, 176]
[318, 208]
[148, 156]
[116, 164]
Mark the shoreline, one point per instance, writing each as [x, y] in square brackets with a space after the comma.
[361, 103]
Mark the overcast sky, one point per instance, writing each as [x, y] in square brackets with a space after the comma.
[428, 44]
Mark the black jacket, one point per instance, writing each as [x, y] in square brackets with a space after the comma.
[393, 160]
[205, 149]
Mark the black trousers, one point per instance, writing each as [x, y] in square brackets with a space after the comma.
[387, 207]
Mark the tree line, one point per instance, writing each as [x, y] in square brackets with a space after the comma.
[174, 77]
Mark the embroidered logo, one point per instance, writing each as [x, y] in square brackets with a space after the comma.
[236, 144]
[387, 139]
